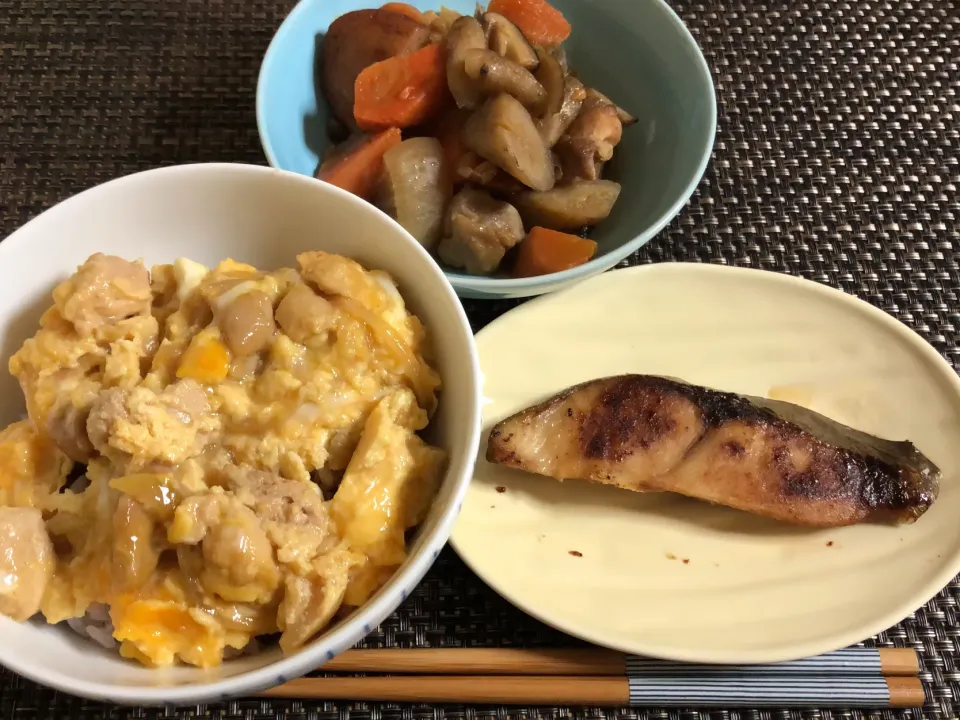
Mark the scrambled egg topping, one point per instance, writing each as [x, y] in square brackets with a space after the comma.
[215, 454]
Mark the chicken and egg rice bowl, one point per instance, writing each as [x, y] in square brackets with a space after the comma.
[212, 455]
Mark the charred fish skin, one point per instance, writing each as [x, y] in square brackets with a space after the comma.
[767, 457]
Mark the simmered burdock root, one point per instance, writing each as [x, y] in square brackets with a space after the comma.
[505, 38]
[770, 458]
[503, 132]
[495, 74]
[465, 34]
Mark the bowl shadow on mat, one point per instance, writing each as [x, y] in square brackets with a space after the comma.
[315, 123]
[662, 505]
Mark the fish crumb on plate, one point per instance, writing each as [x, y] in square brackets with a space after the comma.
[213, 455]
[763, 456]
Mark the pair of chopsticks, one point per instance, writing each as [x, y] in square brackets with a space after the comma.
[852, 678]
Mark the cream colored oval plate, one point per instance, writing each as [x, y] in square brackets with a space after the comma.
[665, 576]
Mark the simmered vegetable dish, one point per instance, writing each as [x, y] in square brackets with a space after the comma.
[472, 132]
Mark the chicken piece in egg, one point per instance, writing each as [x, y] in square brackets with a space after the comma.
[103, 292]
[98, 335]
[137, 427]
[26, 561]
[32, 467]
[238, 559]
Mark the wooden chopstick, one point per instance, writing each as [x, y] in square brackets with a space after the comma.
[890, 662]
[745, 691]
[480, 661]
[851, 678]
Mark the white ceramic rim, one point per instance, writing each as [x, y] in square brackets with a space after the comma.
[367, 616]
[540, 283]
[866, 629]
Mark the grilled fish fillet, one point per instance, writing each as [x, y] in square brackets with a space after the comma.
[767, 457]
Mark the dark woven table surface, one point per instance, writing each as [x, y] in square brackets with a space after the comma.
[837, 158]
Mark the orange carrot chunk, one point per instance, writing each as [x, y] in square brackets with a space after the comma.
[540, 23]
[400, 91]
[405, 9]
[546, 251]
[357, 166]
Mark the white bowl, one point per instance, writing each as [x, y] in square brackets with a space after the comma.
[264, 217]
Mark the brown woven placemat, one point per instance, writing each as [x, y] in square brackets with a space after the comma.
[837, 159]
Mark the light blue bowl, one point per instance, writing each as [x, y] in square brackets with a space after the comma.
[638, 52]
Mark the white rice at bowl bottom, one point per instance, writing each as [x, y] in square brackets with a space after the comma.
[97, 626]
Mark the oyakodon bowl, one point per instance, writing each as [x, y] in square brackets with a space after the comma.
[264, 217]
[638, 53]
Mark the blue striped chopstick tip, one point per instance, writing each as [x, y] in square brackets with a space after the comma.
[850, 661]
